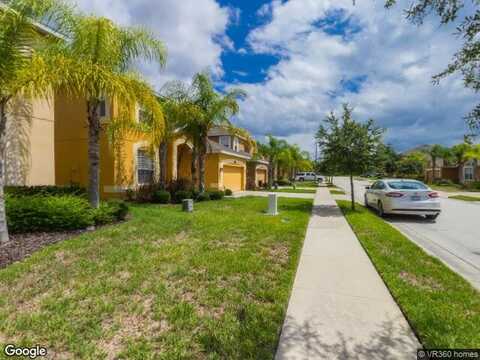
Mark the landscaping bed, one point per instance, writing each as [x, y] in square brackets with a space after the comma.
[441, 306]
[164, 285]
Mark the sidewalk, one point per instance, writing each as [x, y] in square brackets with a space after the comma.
[339, 307]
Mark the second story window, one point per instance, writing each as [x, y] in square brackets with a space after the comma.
[236, 144]
[225, 141]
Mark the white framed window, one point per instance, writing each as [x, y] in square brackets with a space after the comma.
[468, 173]
[145, 167]
[236, 144]
[225, 140]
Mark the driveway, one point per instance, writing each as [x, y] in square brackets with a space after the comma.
[454, 237]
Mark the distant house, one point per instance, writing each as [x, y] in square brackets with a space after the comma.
[468, 172]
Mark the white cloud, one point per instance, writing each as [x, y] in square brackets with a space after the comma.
[193, 31]
[398, 59]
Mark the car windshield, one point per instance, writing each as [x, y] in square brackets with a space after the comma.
[407, 185]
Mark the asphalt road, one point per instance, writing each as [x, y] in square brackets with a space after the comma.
[454, 237]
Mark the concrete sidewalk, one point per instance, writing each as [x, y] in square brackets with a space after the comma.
[339, 307]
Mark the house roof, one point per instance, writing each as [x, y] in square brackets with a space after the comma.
[216, 148]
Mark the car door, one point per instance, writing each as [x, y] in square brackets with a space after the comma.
[379, 192]
[370, 194]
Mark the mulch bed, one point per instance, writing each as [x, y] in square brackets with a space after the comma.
[23, 245]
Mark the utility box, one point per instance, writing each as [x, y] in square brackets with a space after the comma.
[187, 205]
[272, 204]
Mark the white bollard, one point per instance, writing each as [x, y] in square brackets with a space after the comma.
[272, 204]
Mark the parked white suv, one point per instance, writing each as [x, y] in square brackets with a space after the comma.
[306, 176]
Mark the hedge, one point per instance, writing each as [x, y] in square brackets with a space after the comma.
[58, 213]
[44, 190]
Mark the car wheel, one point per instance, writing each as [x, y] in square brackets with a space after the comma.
[302, 179]
[381, 212]
[432, 217]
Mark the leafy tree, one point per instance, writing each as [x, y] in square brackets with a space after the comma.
[386, 160]
[20, 47]
[465, 61]
[412, 165]
[349, 145]
[436, 152]
[97, 63]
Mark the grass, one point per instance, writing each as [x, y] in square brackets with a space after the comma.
[442, 307]
[337, 192]
[465, 198]
[306, 184]
[451, 188]
[213, 284]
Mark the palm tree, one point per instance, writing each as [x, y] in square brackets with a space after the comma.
[20, 42]
[272, 150]
[214, 109]
[96, 63]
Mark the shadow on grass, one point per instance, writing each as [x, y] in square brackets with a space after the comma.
[304, 341]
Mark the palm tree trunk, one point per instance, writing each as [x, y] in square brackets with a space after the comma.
[194, 165]
[352, 190]
[94, 128]
[3, 215]
[201, 163]
[162, 156]
[270, 173]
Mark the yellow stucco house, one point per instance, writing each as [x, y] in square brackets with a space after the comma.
[130, 164]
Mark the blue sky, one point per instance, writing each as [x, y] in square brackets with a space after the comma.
[299, 59]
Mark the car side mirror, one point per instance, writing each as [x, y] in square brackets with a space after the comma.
[368, 187]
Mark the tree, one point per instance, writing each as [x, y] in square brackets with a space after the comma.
[387, 160]
[465, 61]
[96, 63]
[436, 152]
[20, 47]
[214, 109]
[412, 165]
[272, 150]
[348, 144]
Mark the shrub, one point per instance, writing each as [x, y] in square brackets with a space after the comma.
[144, 193]
[443, 182]
[284, 182]
[228, 192]
[109, 212]
[45, 190]
[204, 196]
[175, 186]
[119, 209]
[161, 197]
[217, 195]
[181, 195]
[47, 213]
[474, 185]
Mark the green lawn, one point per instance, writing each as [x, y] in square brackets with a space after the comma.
[213, 284]
[306, 184]
[442, 307]
[337, 192]
[465, 198]
[451, 188]
[292, 190]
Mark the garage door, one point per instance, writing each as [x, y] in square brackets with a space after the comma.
[233, 178]
[261, 177]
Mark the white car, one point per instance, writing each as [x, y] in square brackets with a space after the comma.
[398, 196]
[306, 176]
